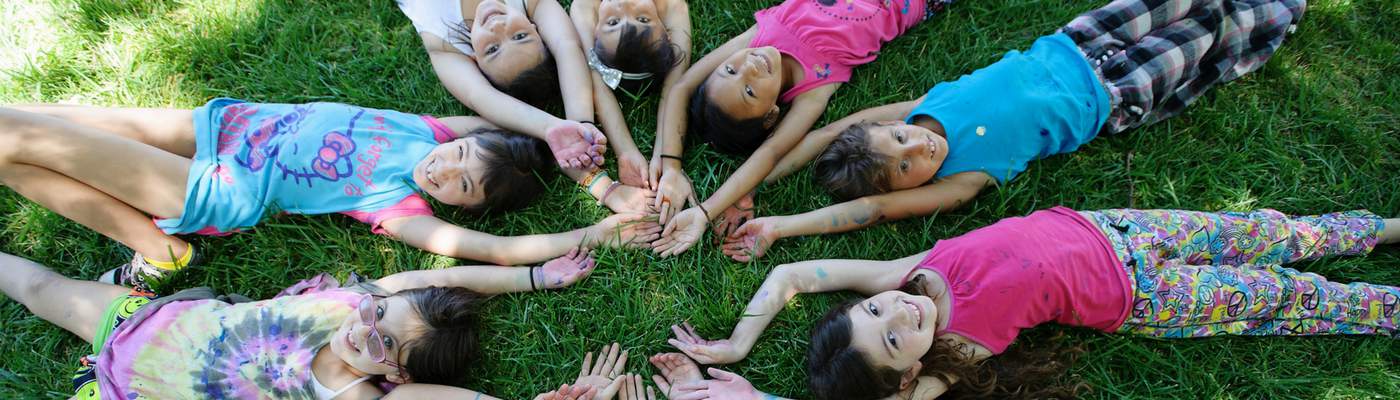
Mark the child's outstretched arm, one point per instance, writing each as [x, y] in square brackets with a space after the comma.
[632, 166]
[575, 82]
[753, 238]
[438, 236]
[687, 227]
[786, 281]
[494, 279]
[671, 184]
[677, 21]
[460, 75]
[817, 141]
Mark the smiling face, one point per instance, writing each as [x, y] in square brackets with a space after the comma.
[451, 173]
[614, 16]
[397, 323]
[506, 43]
[893, 329]
[748, 83]
[915, 153]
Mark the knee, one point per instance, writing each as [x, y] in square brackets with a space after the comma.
[32, 290]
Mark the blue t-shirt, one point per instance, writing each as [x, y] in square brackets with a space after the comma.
[1024, 107]
[252, 159]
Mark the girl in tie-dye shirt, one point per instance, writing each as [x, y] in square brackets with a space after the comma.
[411, 334]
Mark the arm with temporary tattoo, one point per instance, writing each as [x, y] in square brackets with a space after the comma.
[786, 281]
[492, 279]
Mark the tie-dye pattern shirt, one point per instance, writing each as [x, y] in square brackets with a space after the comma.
[209, 349]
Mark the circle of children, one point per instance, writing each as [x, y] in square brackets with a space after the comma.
[928, 323]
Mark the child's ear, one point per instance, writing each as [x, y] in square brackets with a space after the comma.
[910, 375]
[771, 118]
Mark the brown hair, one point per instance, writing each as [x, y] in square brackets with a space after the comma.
[849, 168]
[837, 370]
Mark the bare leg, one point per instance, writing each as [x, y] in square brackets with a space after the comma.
[145, 177]
[167, 129]
[94, 209]
[74, 305]
[1391, 234]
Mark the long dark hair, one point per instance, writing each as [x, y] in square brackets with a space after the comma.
[635, 55]
[513, 165]
[728, 135]
[448, 346]
[836, 370]
[536, 85]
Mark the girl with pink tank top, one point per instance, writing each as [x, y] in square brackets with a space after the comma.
[932, 317]
[759, 93]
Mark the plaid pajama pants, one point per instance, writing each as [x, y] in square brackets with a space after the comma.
[1156, 57]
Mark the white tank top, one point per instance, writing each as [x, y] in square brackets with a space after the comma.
[442, 18]
[325, 393]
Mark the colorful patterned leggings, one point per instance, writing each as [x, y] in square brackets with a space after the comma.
[1200, 274]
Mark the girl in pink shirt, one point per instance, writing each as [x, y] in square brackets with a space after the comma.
[797, 54]
[933, 316]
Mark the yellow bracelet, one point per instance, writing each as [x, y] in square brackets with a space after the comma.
[588, 179]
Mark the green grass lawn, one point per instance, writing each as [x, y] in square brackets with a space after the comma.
[1313, 131]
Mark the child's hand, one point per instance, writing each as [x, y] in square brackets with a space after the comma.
[603, 373]
[701, 350]
[671, 194]
[576, 145]
[751, 240]
[566, 270]
[725, 386]
[633, 170]
[734, 216]
[634, 388]
[566, 392]
[676, 369]
[631, 230]
[631, 199]
[683, 231]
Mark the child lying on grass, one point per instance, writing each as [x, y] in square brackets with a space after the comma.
[933, 317]
[498, 58]
[796, 55]
[1129, 64]
[227, 165]
[410, 335]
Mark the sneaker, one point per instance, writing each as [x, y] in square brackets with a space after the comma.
[137, 274]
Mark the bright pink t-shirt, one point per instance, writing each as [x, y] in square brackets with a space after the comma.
[831, 37]
[1051, 266]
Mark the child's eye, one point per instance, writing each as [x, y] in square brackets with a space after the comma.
[899, 137]
[388, 342]
[904, 165]
[729, 70]
[492, 49]
[889, 336]
[612, 22]
[873, 310]
[521, 36]
[379, 313]
[464, 184]
[643, 20]
[749, 90]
